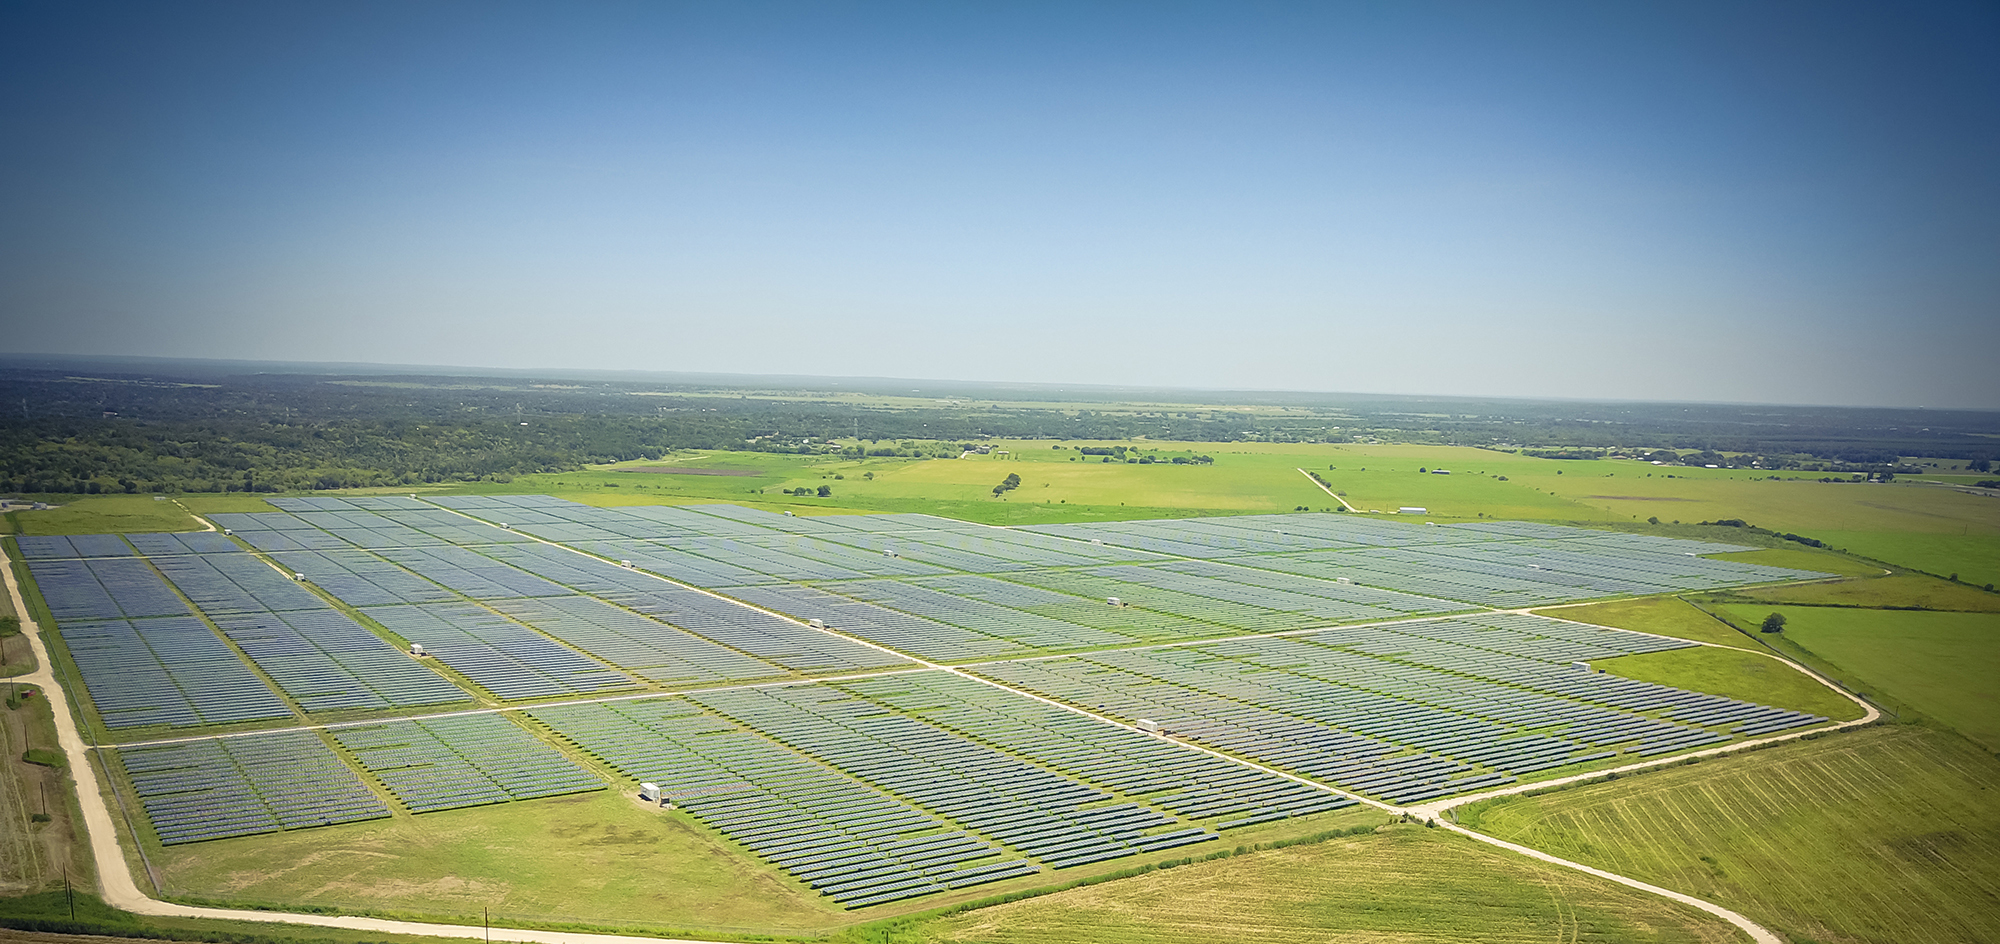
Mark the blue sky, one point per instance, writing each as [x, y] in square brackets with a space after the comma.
[1785, 202]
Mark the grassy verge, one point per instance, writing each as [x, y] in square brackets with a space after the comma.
[39, 842]
[1887, 834]
[56, 917]
[1403, 883]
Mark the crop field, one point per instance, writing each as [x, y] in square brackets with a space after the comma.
[1880, 835]
[892, 781]
[1357, 889]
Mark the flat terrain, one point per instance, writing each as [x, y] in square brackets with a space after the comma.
[1888, 834]
[598, 858]
[1746, 676]
[1665, 616]
[1373, 888]
[1942, 664]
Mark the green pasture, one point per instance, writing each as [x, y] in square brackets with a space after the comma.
[1405, 884]
[598, 858]
[1899, 591]
[1734, 673]
[590, 860]
[1797, 557]
[1886, 835]
[1665, 616]
[1974, 556]
[1941, 664]
[98, 514]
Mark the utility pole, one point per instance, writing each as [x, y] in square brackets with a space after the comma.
[486, 918]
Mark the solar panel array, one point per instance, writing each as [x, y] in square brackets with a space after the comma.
[455, 761]
[319, 656]
[215, 788]
[907, 784]
[502, 656]
[1409, 711]
[891, 782]
[173, 671]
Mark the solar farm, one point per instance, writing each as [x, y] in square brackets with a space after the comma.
[882, 707]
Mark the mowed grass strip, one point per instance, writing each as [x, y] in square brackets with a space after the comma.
[1888, 834]
[1941, 664]
[1406, 884]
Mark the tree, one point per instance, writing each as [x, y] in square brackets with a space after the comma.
[1773, 623]
[826, 491]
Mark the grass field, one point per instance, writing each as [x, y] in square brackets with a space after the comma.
[598, 858]
[1665, 616]
[97, 514]
[1941, 664]
[1912, 591]
[1733, 673]
[1888, 834]
[1800, 558]
[1405, 884]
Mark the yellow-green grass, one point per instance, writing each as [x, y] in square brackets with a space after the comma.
[1941, 664]
[97, 514]
[1800, 558]
[1900, 591]
[598, 858]
[1973, 555]
[108, 924]
[205, 504]
[1665, 616]
[1405, 884]
[1735, 673]
[1888, 834]
[593, 860]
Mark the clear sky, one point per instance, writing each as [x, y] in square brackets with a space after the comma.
[1771, 202]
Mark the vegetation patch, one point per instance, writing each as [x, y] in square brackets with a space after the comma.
[1734, 673]
[1941, 664]
[1885, 835]
[1665, 616]
[1402, 883]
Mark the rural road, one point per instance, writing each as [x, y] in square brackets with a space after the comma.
[119, 890]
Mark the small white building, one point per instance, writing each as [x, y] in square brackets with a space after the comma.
[816, 623]
[1413, 510]
[1147, 725]
[1585, 666]
[416, 649]
[650, 792]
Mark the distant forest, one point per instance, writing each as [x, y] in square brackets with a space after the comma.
[103, 425]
